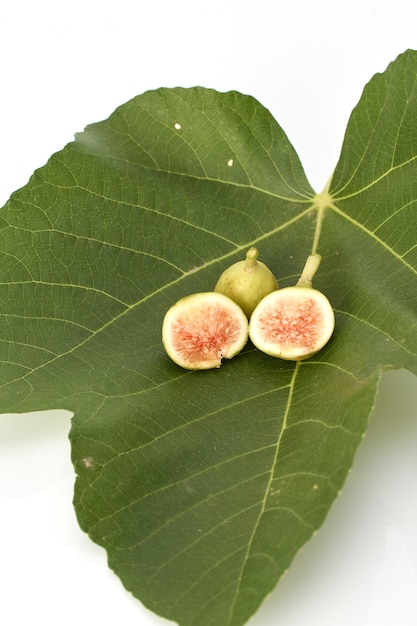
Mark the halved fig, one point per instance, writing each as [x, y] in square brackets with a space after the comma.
[200, 330]
[247, 282]
[296, 322]
[292, 323]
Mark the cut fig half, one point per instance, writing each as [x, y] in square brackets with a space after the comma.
[292, 323]
[200, 330]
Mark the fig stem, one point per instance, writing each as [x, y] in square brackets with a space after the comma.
[251, 258]
[310, 268]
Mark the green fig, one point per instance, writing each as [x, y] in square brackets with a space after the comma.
[247, 282]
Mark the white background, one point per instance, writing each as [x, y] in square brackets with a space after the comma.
[65, 64]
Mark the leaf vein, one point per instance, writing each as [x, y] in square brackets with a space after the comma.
[267, 490]
[373, 236]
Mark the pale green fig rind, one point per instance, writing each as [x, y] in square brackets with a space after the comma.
[197, 308]
[246, 286]
[277, 300]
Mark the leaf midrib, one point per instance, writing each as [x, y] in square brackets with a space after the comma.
[267, 490]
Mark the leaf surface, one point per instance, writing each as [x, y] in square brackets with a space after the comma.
[202, 486]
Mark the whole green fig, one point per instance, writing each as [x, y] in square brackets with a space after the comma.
[247, 282]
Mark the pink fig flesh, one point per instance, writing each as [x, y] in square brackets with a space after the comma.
[292, 323]
[200, 330]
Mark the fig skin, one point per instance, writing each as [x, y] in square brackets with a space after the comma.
[200, 330]
[247, 282]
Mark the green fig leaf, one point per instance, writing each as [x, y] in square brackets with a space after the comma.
[202, 486]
